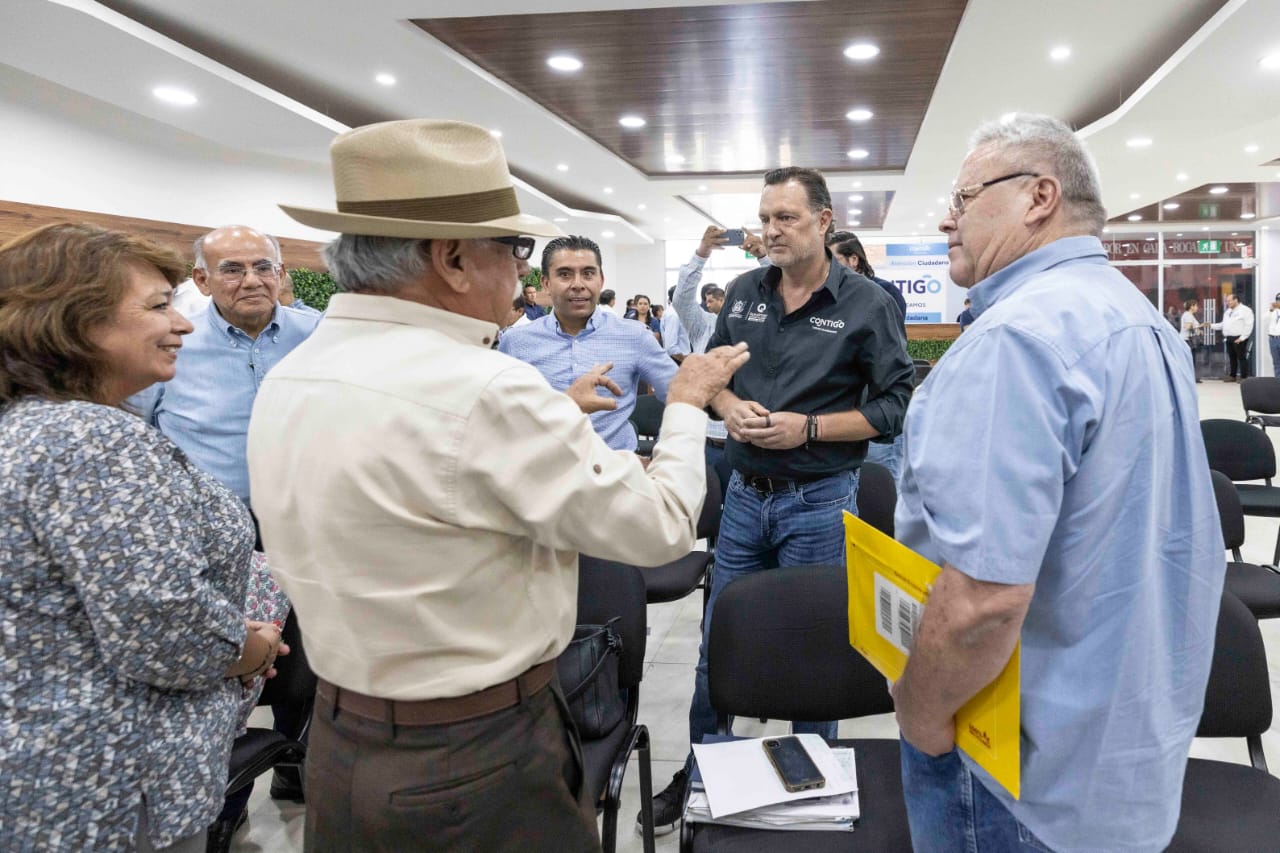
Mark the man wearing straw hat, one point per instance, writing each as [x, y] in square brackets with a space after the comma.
[434, 573]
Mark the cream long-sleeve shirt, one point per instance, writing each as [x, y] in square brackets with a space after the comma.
[423, 500]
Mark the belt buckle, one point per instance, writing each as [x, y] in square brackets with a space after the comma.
[763, 485]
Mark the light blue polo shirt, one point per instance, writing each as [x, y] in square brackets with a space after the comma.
[1058, 443]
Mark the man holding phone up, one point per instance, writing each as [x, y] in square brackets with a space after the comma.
[819, 335]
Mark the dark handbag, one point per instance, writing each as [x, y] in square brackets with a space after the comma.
[588, 670]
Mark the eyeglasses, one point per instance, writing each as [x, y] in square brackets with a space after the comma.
[961, 195]
[521, 247]
[233, 273]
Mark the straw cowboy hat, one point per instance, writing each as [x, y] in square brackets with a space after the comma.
[422, 179]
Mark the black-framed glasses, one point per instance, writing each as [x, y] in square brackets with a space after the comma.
[961, 195]
[521, 247]
[233, 273]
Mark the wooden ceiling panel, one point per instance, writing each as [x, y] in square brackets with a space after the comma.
[1238, 204]
[727, 88]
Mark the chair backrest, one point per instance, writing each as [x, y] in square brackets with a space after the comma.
[1237, 701]
[647, 415]
[877, 497]
[712, 507]
[1261, 394]
[1240, 451]
[607, 589]
[922, 373]
[779, 648]
[924, 362]
[1230, 512]
[294, 682]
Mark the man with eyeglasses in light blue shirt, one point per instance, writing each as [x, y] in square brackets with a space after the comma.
[580, 334]
[1048, 456]
[243, 333]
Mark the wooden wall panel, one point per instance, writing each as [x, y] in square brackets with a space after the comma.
[17, 218]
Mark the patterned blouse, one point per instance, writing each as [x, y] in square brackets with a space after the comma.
[121, 593]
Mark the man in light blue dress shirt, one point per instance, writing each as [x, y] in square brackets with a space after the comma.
[579, 334]
[243, 333]
[1055, 469]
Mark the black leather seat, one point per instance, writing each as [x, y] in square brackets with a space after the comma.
[673, 581]
[1261, 398]
[1257, 586]
[1244, 453]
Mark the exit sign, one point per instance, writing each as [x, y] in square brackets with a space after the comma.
[1208, 210]
[1208, 247]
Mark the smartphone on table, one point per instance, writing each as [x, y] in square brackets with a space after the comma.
[794, 766]
[735, 236]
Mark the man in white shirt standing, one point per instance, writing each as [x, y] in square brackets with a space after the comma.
[1273, 334]
[433, 571]
[1237, 328]
[675, 338]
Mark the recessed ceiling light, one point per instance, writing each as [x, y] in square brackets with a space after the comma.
[1251, 149]
[495, 133]
[608, 190]
[1181, 176]
[860, 114]
[855, 212]
[1106, 230]
[921, 225]
[1139, 142]
[1248, 215]
[1061, 53]
[1171, 205]
[1270, 62]
[1217, 190]
[855, 222]
[1235, 233]
[564, 62]
[1007, 118]
[631, 121]
[930, 214]
[1179, 234]
[857, 185]
[606, 234]
[641, 206]
[561, 219]
[942, 200]
[1205, 228]
[861, 50]
[855, 198]
[385, 79]
[562, 167]
[172, 95]
[1134, 217]
[1135, 195]
[858, 153]
[675, 159]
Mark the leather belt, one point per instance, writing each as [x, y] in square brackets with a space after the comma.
[773, 485]
[436, 712]
[715, 442]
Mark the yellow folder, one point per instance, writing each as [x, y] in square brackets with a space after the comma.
[888, 586]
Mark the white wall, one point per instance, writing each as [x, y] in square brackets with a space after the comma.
[637, 269]
[63, 149]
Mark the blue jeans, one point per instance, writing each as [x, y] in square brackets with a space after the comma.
[1274, 342]
[796, 527]
[888, 455]
[949, 810]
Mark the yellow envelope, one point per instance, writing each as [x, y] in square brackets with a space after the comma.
[888, 586]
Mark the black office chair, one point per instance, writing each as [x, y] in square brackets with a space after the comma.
[1261, 398]
[647, 419]
[1243, 453]
[675, 580]
[921, 362]
[1257, 586]
[922, 373]
[877, 497]
[259, 750]
[1229, 806]
[779, 648]
[606, 590]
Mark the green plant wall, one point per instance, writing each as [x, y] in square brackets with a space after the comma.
[533, 278]
[313, 288]
[928, 350]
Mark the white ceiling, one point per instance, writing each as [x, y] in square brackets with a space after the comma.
[1201, 108]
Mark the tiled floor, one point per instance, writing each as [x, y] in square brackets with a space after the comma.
[672, 652]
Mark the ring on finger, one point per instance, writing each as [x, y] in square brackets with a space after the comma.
[768, 421]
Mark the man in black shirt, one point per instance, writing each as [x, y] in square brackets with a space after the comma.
[820, 335]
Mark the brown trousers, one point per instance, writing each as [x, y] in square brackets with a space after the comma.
[507, 781]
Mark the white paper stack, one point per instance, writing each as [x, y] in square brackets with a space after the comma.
[739, 787]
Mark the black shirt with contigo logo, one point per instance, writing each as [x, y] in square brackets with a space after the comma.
[845, 340]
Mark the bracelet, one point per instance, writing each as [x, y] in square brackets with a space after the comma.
[811, 429]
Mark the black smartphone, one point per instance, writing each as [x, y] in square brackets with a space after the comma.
[735, 236]
[794, 766]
